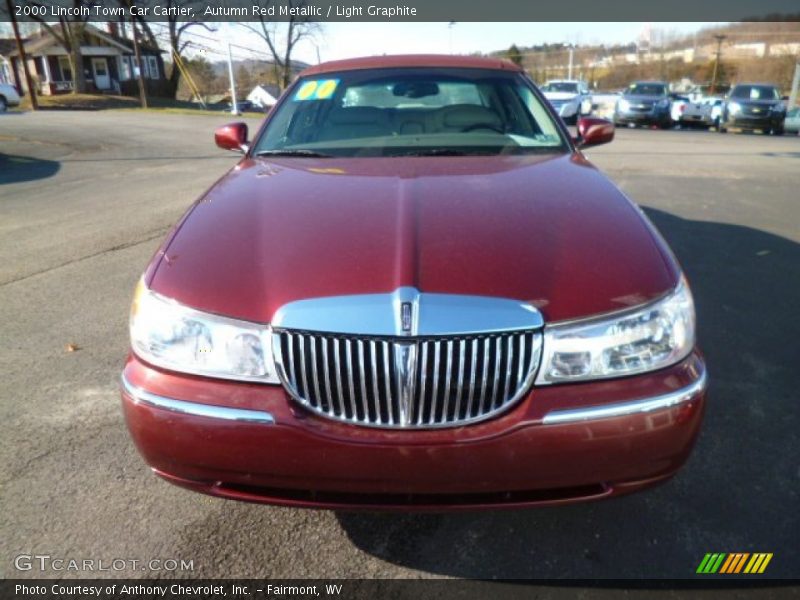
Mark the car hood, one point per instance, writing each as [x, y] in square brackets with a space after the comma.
[560, 95]
[642, 98]
[759, 103]
[550, 230]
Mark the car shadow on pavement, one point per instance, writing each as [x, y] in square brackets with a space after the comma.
[739, 490]
[17, 169]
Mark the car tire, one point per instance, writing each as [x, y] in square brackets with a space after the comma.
[3, 104]
[777, 131]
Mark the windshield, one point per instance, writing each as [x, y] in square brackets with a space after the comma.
[755, 92]
[407, 112]
[647, 89]
[561, 86]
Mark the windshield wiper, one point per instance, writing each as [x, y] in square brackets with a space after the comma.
[435, 152]
[296, 152]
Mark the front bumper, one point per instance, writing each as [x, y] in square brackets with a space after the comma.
[650, 117]
[749, 121]
[559, 444]
[693, 119]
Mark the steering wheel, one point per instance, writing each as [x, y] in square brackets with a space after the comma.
[482, 126]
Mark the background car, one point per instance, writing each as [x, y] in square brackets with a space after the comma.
[570, 98]
[677, 106]
[242, 106]
[644, 103]
[752, 106]
[703, 113]
[8, 96]
[791, 124]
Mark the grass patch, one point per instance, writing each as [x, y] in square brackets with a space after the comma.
[110, 102]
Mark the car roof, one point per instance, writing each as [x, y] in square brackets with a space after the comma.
[411, 60]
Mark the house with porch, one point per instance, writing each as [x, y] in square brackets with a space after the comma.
[109, 63]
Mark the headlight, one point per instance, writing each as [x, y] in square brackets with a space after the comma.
[173, 336]
[734, 107]
[624, 105]
[644, 339]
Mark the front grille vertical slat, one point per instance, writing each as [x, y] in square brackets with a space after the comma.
[387, 382]
[509, 366]
[315, 371]
[290, 370]
[455, 379]
[521, 367]
[460, 380]
[326, 374]
[498, 359]
[303, 370]
[362, 381]
[422, 402]
[351, 386]
[337, 366]
[448, 378]
[437, 350]
[376, 395]
[487, 345]
[473, 374]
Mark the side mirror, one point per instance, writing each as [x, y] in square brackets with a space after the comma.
[232, 137]
[593, 131]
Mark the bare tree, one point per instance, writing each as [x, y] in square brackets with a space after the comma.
[281, 37]
[177, 30]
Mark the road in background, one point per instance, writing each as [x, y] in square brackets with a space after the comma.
[85, 199]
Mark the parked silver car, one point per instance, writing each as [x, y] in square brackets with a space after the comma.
[791, 123]
[703, 113]
[570, 98]
[8, 96]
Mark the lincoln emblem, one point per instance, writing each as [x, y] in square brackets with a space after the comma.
[405, 316]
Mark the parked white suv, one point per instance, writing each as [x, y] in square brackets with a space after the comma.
[8, 96]
[569, 97]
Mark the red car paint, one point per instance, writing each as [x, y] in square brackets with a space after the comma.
[547, 229]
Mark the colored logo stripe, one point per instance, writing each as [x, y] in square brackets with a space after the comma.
[710, 563]
[758, 563]
[723, 563]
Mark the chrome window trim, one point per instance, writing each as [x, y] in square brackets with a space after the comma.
[621, 409]
[141, 396]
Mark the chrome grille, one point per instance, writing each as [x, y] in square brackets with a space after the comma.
[403, 382]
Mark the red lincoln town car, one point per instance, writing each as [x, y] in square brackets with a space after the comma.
[414, 291]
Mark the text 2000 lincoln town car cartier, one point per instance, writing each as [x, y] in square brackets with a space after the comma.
[414, 291]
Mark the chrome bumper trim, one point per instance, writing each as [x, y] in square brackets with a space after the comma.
[141, 396]
[622, 409]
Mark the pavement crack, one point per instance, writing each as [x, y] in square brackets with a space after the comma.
[150, 236]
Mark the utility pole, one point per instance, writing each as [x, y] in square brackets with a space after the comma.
[234, 108]
[719, 37]
[23, 57]
[140, 77]
[795, 85]
[571, 58]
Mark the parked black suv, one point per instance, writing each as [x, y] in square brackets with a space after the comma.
[753, 106]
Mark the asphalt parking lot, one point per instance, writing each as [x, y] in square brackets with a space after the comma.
[85, 199]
